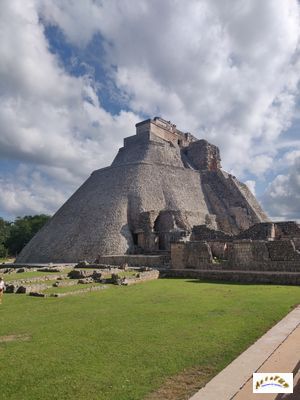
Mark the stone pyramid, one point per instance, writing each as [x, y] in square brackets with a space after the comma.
[161, 183]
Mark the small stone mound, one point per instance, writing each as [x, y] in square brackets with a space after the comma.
[82, 264]
[51, 269]
[10, 288]
[23, 269]
[79, 274]
[85, 281]
[37, 294]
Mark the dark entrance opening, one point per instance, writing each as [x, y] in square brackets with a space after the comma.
[158, 225]
[135, 239]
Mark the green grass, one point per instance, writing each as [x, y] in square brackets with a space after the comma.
[71, 288]
[28, 275]
[122, 343]
[127, 274]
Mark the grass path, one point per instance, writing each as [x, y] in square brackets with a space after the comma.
[124, 343]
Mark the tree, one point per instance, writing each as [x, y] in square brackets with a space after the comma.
[4, 234]
[22, 230]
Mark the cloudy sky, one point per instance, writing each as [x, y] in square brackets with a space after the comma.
[76, 75]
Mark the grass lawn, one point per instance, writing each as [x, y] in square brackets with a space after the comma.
[71, 288]
[123, 343]
[31, 274]
[27, 275]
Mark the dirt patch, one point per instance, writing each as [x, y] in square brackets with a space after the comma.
[12, 338]
[182, 386]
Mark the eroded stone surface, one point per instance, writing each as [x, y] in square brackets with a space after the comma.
[161, 184]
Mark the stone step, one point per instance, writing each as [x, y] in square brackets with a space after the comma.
[274, 277]
[278, 266]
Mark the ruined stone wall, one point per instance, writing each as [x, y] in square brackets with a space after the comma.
[251, 200]
[135, 260]
[158, 128]
[283, 250]
[178, 259]
[190, 254]
[219, 249]
[154, 152]
[297, 243]
[261, 231]
[203, 232]
[243, 252]
[224, 199]
[287, 229]
[266, 277]
[203, 155]
[237, 255]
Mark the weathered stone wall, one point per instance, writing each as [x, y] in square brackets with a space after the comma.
[271, 231]
[140, 150]
[197, 253]
[203, 232]
[283, 250]
[234, 211]
[219, 249]
[178, 260]
[135, 260]
[278, 278]
[236, 255]
[190, 254]
[138, 278]
[296, 242]
[261, 231]
[165, 130]
[204, 156]
[245, 251]
[253, 206]
[287, 229]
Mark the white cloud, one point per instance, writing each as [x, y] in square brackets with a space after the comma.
[48, 118]
[282, 197]
[289, 158]
[261, 164]
[229, 66]
[226, 70]
[251, 185]
[27, 192]
[71, 16]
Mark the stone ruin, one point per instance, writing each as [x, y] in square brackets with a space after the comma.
[266, 252]
[83, 277]
[162, 184]
[165, 202]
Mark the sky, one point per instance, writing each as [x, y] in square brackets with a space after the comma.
[77, 75]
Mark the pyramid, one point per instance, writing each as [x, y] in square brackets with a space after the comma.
[161, 183]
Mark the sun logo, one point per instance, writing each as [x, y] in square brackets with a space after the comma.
[273, 383]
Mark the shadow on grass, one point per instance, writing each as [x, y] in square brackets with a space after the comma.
[218, 282]
[227, 282]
